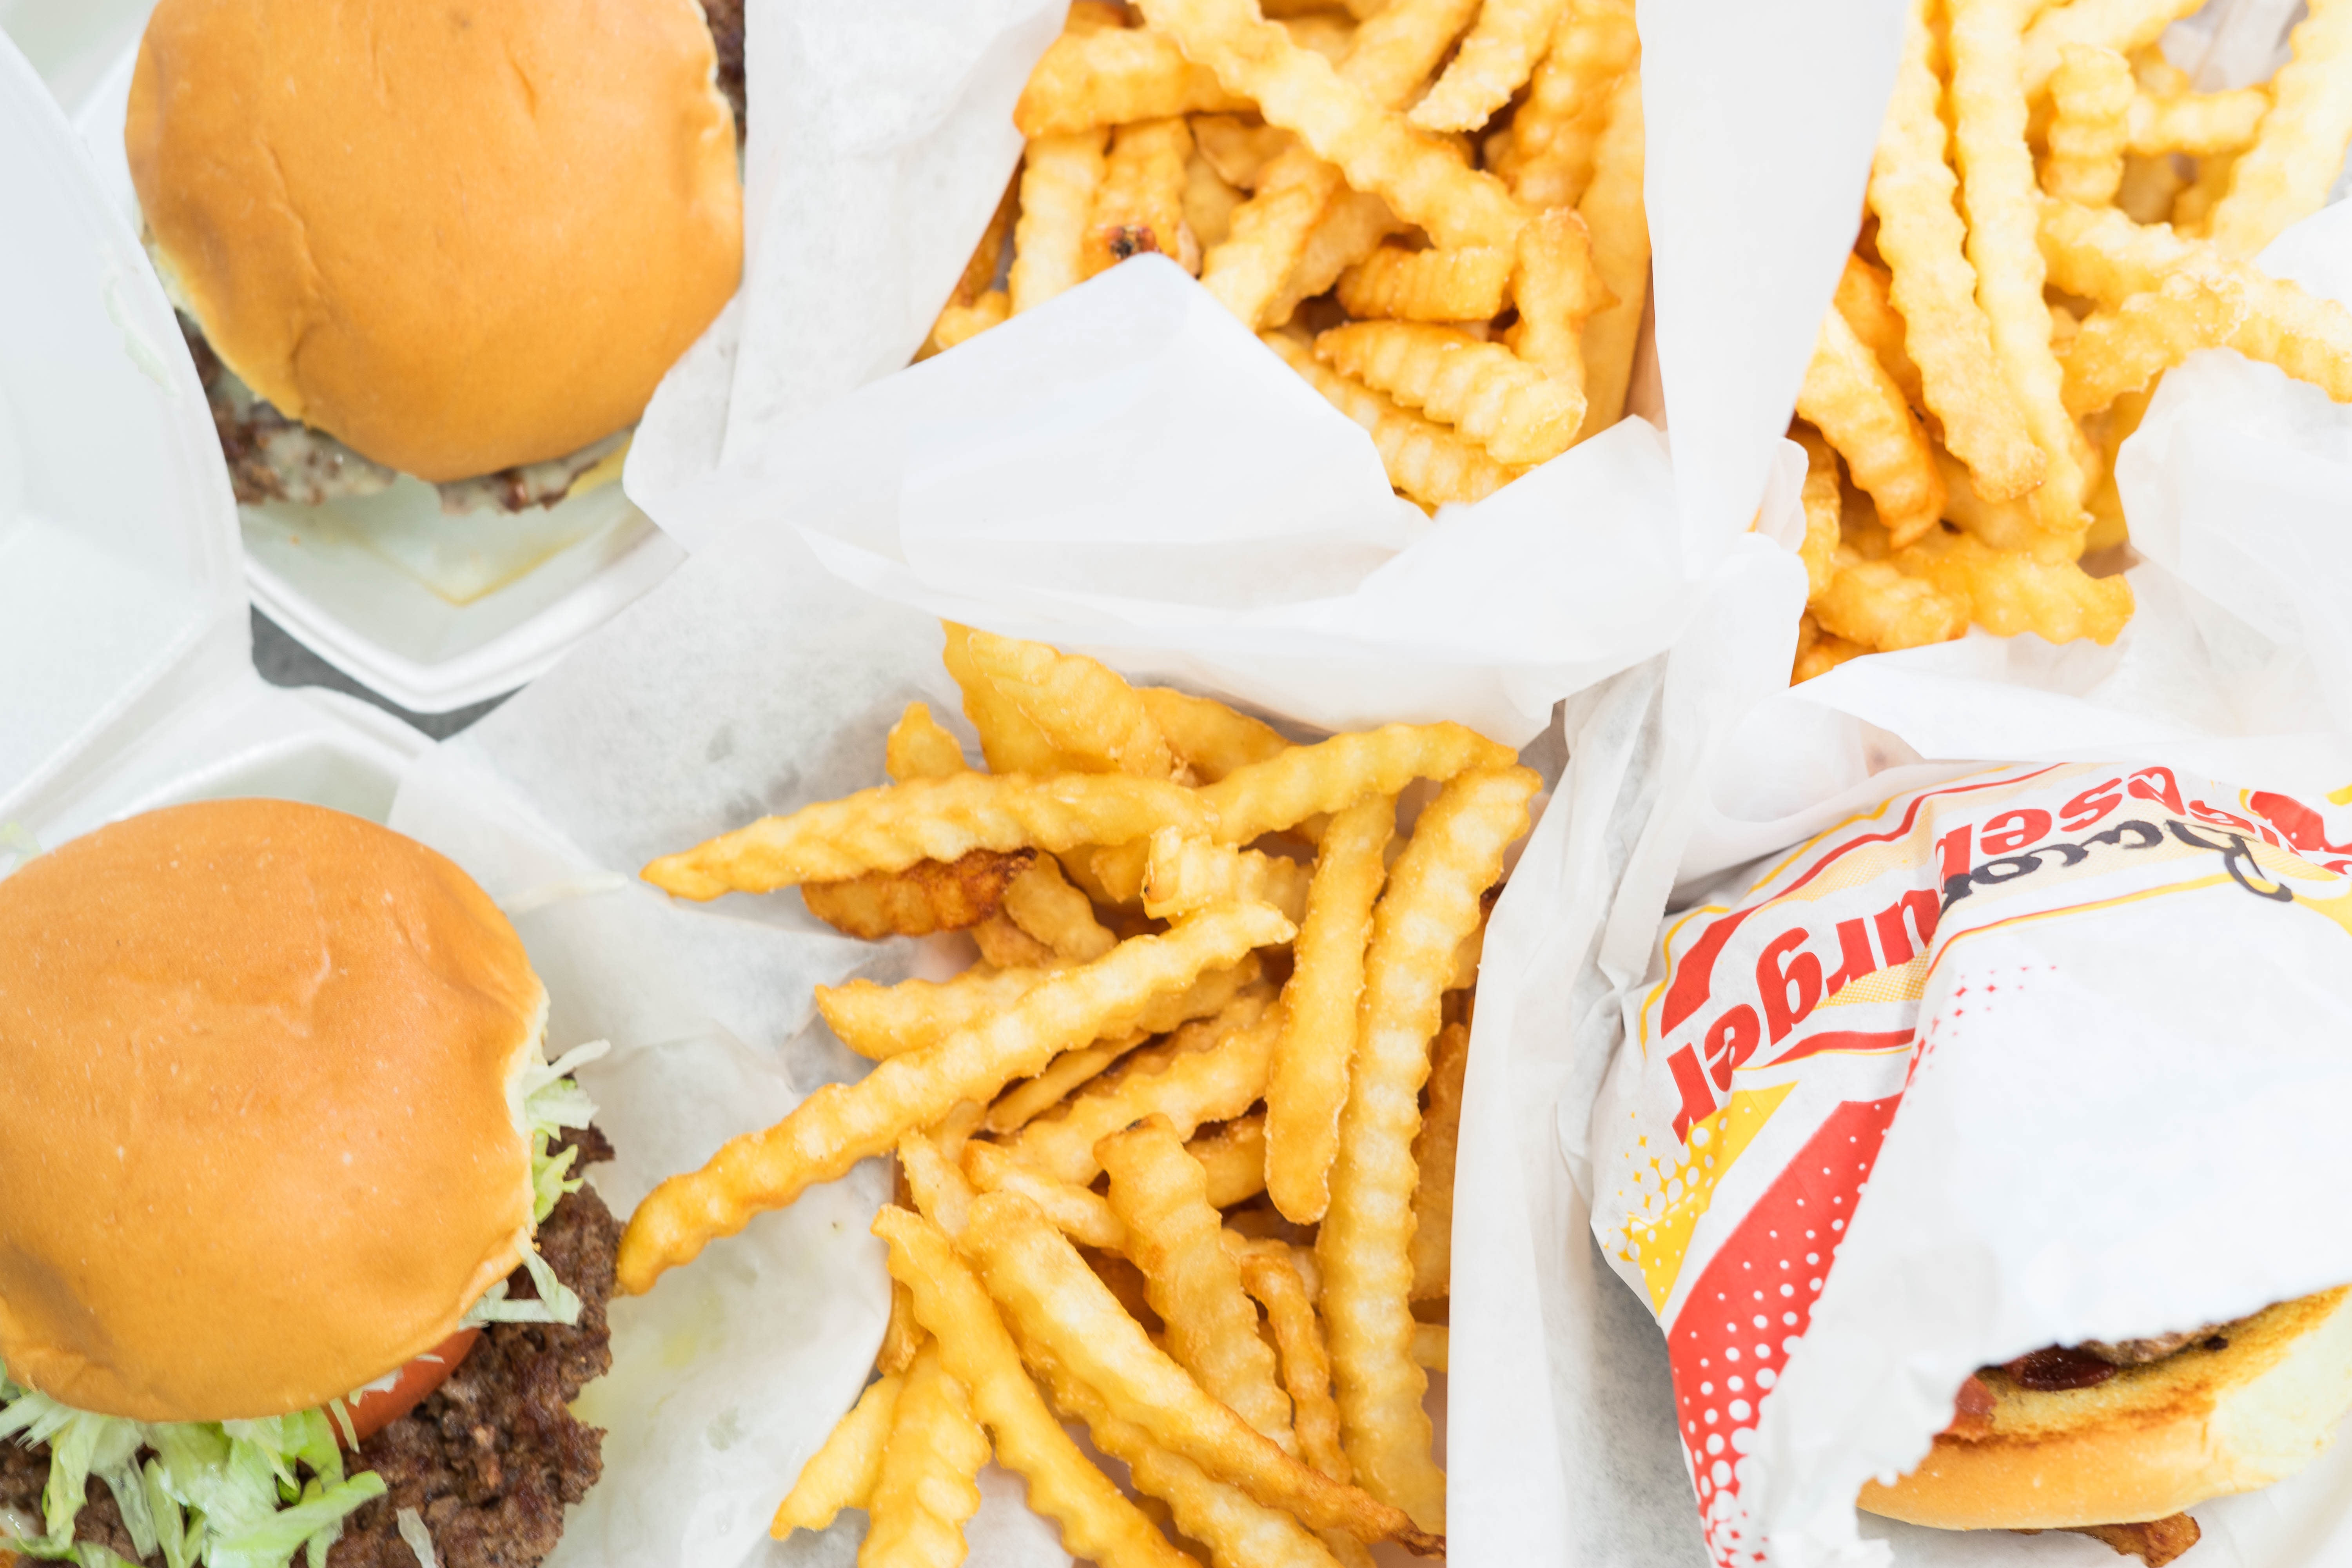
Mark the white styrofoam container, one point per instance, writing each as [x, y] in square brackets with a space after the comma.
[434, 612]
[126, 670]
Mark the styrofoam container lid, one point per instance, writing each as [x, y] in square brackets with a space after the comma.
[126, 673]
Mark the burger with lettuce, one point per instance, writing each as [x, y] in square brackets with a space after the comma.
[296, 1260]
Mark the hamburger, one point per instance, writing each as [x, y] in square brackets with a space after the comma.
[459, 242]
[2119, 1440]
[295, 1252]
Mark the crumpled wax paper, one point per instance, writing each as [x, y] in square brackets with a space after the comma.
[1685, 769]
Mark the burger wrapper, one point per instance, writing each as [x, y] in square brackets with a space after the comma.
[2119, 1137]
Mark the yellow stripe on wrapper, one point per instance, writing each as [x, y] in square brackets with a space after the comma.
[1659, 1244]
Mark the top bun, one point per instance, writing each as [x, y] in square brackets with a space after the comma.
[458, 237]
[2252, 1406]
[256, 1148]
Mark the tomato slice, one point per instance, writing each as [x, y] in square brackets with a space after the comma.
[372, 1411]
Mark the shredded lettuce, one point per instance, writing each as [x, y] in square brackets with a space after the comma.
[252, 1494]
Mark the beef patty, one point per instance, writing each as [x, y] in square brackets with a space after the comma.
[489, 1459]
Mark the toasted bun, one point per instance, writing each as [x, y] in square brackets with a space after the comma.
[256, 1148]
[459, 238]
[2149, 1442]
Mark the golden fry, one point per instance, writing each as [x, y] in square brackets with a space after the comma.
[2197, 123]
[1555, 133]
[841, 1473]
[1429, 1346]
[1140, 205]
[1849, 396]
[1433, 1157]
[1079, 1213]
[1557, 289]
[1209, 202]
[1209, 738]
[1922, 240]
[1824, 652]
[1110, 76]
[1471, 284]
[901, 1335]
[2284, 176]
[1192, 873]
[1270, 1274]
[930, 1162]
[1874, 605]
[925, 896]
[1612, 209]
[957, 323]
[1045, 905]
[1232, 1160]
[2003, 524]
[1173, 1233]
[1425, 460]
[1865, 300]
[1070, 1071]
[883, 1021]
[1364, 1245]
[2091, 99]
[1351, 227]
[1059, 176]
[1009, 741]
[1521, 415]
[1212, 1085]
[891, 827]
[919, 747]
[2010, 593]
[1269, 233]
[1084, 710]
[2122, 26]
[1495, 59]
[1064, 1311]
[1097, 1520]
[1333, 774]
[840, 1124]
[1004, 945]
[1307, 1082]
[929, 1482]
[1238, 149]
[1822, 503]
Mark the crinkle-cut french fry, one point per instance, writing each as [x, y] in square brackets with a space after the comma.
[925, 896]
[2197, 123]
[930, 1162]
[1191, 873]
[1850, 397]
[1333, 774]
[1063, 1311]
[1823, 502]
[2009, 593]
[1471, 284]
[1041, 902]
[901, 1335]
[919, 747]
[1110, 76]
[1351, 227]
[890, 827]
[1557, 288]
[1059, 176]
[1209, 202]
[1140, 205]
[1364, 1245]
[2003, 524]
[1079, 1213]
[1554, 132]
[841, 1473]
[960, 324]
[1819, 652]
[2284, 176]
[1082, 707]
[1400, 43]
[1232, 1160]
[840, 1124]
[1209, 736]
[1511, 407]
[1247, 1006]
[1097, 1520]
[1467, 959]
[1307, 1082]
[883, 1021]
[1375, 148]
[1922, 239]
[1429, 1345]
[2100, 254]
[2091, 99]
[1212, 1085]
[2121, 351]
[1236, 1528]
[1009, 741]
[1612, 209]
[1872, 604]
[1025, 1102]
[1998, 194]
[1432, 1158]
[1270, 1273]
[1496, 58]
[1173, 1233]
[928, 1484]
[1239, 150]
[1425, 460]
[2122, 26]
[1004, 945]
[2117, 426]
[2149, 189]
[1864, 299]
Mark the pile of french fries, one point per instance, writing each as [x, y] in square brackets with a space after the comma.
[1432, 209]
[1209, 1065]
[2054, 220]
